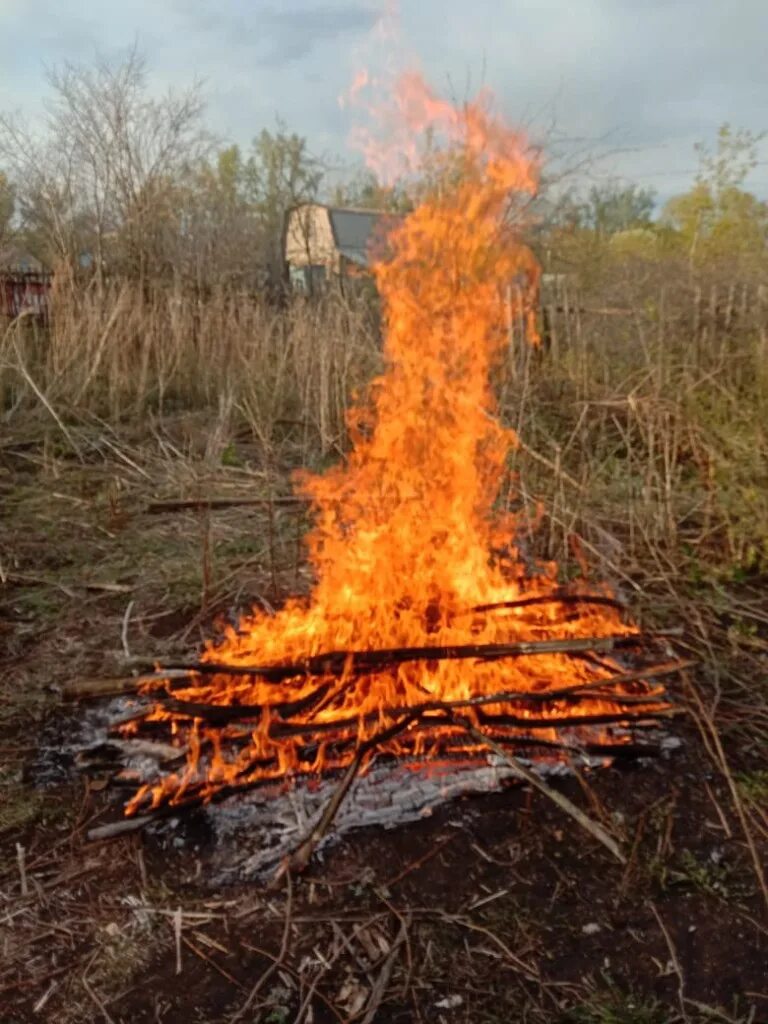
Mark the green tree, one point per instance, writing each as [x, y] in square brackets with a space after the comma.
[614, 207]
[734, 156]
[718, 219]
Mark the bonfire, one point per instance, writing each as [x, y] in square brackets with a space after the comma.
[427, 634]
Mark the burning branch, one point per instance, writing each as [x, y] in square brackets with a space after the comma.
[348, 662]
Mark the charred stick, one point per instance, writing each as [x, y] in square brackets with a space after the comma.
[223, 714]
[557, 597]
[215, 716]
[340, 663]
[300, 857]
[196, 798]
[453, 747]
[437, 715]
[606, 718]
[630, 705]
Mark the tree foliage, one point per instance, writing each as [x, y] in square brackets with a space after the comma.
[718, 219]
[364, 190]
[132, 184]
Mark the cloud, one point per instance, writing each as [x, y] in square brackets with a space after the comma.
[283, 36]
[648, 79]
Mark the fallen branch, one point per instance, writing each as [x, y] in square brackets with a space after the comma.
[223, 714]
[556, 597]
[300, 857]
[25, 579]
[92, 689]
[596, 830]
[197, 797]
[119, 828]
[180, 504]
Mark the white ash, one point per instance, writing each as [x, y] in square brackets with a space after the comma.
[255, 831]
[65, 743]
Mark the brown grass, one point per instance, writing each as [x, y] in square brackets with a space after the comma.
[124, 353]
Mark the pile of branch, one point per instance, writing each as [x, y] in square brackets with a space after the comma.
[561, 722]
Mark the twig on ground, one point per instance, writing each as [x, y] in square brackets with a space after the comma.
[124, 629]
[673, 959]
[21, 861]
[713, 744]
[249, 1001]
[91, 992]
[562, 801]
[119, 828]
[177, 924]
[381, 983]
[512, 958]
[209, 960]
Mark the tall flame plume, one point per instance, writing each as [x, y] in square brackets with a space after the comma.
[406, 544]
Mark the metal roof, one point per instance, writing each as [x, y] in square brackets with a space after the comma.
[16, 259]
[354, 231]
[359, 256]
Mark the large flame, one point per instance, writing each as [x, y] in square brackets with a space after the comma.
[406, 542]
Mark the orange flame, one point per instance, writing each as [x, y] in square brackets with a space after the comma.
[406, 542]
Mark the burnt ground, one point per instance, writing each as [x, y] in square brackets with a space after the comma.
[496, 908]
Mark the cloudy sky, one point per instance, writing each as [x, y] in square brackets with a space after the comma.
[639, 80]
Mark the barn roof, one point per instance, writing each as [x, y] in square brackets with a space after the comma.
[15, 259]
[355, 231]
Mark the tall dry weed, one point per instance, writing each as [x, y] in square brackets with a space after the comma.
[642, 418]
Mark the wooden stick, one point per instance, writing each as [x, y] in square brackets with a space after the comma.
[339, 663]
[596, 830]
[195, 799]
[222, 714]
[335, 663]
[556, 597]
[119, 828]
[92, 689]
[300, 857]
[180, 504]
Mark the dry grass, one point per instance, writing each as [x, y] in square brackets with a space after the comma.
[122, 353]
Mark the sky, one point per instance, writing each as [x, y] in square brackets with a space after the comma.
[632, 83]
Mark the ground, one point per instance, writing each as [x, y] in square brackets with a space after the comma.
[493, 909]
